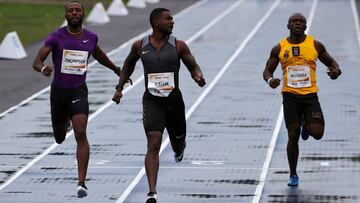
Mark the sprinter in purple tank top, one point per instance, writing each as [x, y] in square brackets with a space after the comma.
[71, 47]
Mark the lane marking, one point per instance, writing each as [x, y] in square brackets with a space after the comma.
[279, 120]
[141, 173]
[97, 112]
[356, 20]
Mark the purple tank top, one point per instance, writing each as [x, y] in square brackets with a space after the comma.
[70, 56]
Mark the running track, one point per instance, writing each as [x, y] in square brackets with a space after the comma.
[236, 144]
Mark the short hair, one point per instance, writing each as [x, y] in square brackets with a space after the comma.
[73, 1]
[155, 14]
[296, 14]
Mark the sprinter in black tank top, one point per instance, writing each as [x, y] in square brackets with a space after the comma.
[163, 106]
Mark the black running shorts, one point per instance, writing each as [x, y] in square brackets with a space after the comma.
[297, 107]
[66, 103]
[164, 112]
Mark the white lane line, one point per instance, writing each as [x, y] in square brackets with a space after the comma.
[268, 157]
[141, 173]
[124, 45]
[102, 108]
[279, 120]
[311, 16]
[356, 20]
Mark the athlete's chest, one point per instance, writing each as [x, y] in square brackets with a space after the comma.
[77, 44]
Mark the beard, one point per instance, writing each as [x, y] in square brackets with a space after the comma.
[75, 23]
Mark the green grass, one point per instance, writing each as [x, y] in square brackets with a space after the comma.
[34, 21]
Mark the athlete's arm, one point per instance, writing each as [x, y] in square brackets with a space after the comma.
[128, 69]
[333, 67]
[102, 58]
[38, 64]
[190, 63]
[270, 67]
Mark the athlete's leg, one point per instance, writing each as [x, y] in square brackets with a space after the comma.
[293, 147]
[314, 118]
[292, 115]
[79, 122]
[154, 123]
[59, 114]
[316, 130]
[79, 111]
[176, 126]
[154, 139]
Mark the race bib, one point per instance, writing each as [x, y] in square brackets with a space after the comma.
[161, 84]
[298, 76]
[74, 62]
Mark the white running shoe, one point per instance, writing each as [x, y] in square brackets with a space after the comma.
[82, 190]
[152, 197]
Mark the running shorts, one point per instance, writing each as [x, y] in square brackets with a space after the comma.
[164, 112]
[298, 107]
[66, 103]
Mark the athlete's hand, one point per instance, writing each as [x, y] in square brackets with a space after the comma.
[47, 71]
[117, 71]
[129, 81]
[200, 81]
[334, 73]
[117, 96]
[274, 83]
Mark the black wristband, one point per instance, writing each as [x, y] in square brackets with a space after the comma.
[117, 69]
[117, 87]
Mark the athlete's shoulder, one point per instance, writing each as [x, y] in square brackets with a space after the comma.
[55, 36]
[180, 43]
[310, 37]
[58, 32]
[283, 40]
[172, 40]
[88, 32]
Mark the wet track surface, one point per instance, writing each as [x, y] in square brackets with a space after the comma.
[231, 122]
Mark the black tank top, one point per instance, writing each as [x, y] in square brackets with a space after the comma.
[167, 61]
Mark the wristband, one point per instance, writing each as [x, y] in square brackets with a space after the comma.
[268, 81]
[117, 87]
[42, 69]
[117, 69]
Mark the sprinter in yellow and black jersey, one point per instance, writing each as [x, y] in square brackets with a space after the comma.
[302, 112]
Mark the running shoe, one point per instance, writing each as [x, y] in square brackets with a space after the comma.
[152, 197]
[294, 181]
[179, 157]
[82, 190]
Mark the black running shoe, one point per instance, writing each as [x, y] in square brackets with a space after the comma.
[152, 197]
[304, 133]
[82, 190]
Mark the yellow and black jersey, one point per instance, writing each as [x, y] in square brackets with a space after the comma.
[298, 63]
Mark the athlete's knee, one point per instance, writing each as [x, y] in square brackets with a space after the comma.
[154, 142]
[80, 134]
[317, 135]
[59, 139]
[293, 132]
[316, 130]
[59, 134]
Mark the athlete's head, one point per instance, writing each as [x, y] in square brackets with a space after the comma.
[162, 20]
[74, 13]
[297, 24]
